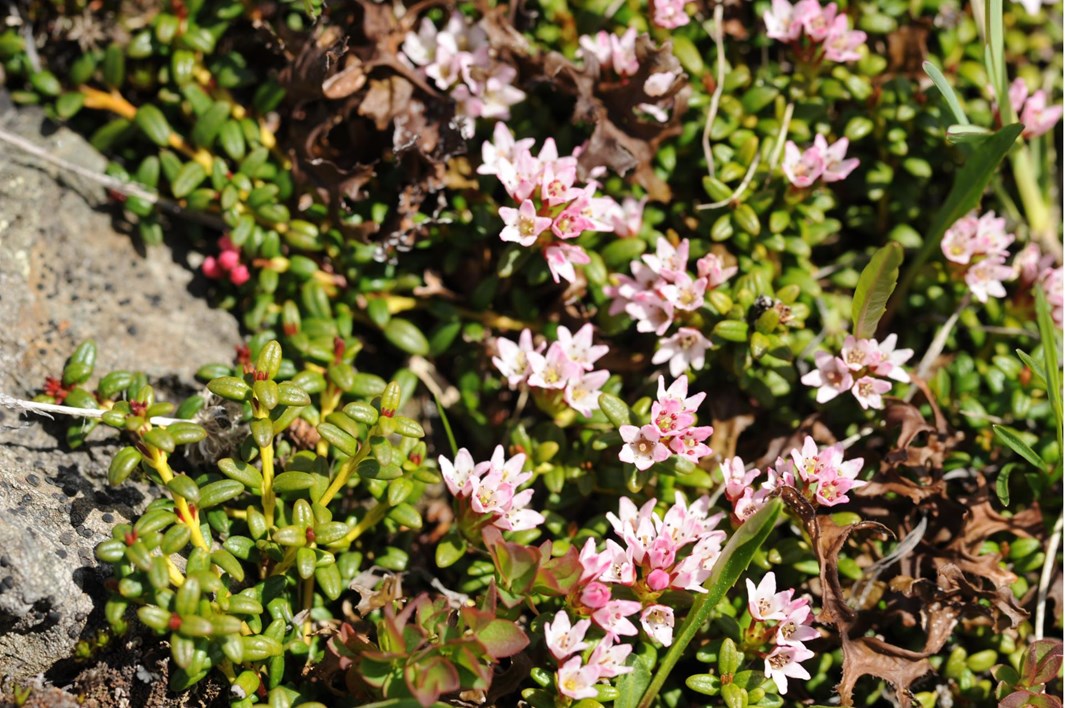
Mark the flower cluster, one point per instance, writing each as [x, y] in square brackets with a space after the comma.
[820, 475]
[858, 368]
[1032, 110]
[785, 620]
[459, 59]
[618, 55]
[566, 367]
[577, 677]
[978, 245]
[227, 264]
[490, 489]
[552, 208]
[661, 291]
[672, 429]
[670, 14]
[829, 163]
[824, 27]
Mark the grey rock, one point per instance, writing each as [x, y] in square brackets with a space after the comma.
[67, 275]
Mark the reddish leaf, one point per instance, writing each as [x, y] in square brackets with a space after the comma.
[1042, 662]
[502, 638]
[429, 678]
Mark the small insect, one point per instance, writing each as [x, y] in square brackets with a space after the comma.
[762, 303]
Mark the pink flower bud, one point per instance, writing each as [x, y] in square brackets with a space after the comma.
[228, 260]
[658, 580]
[595, 595]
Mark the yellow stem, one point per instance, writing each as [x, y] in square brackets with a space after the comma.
[267, 456]
[159, 464]
[176, 578]
[343, 475]
[116, 103]
[376, 513]
[308, 602]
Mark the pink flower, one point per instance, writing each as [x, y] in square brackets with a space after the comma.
[713, 269]
[523, 226]
[239, 275]
[577, 681]
[837, 167]
[1032, 111]
[868, 391]
[579, 348]
[831, 377]
[513, 359]
[841, 44]
[597, 47]
[795, 629]
[670, 14]
[458, 475]
[678, 391]
[556, 184]
[489, 495]
[592, 562]
[619, 568]
[642, 446]
[783, 662]
[564, 639]
[561, 257]
[891, 360]
[689, 444]
[684, 350]
[763, 600]
[657, 621]
[623, 53]
[958, 244]
[781, 23]
[553, 370]
[670, 417]
[737, 479]
[858, 354]
[985, 278]
[802, 168]
[582, 393]
[815, 20]
[613, 617]
[609, 658]
[627, 219]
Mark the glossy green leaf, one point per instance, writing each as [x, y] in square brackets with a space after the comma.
[877, 282]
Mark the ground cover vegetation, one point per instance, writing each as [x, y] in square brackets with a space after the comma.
[639, 354]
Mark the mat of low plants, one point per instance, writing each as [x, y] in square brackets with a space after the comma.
[597, 353]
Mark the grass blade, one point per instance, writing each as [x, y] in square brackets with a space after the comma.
[1010, 438]
[948, 92]
[875, 286]
[1051, 366]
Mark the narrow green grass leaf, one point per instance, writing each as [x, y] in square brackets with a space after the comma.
[1048, 333]
[875, 286]
[1034, 366]
[1009, 437]
[447, 425]
[947, 90]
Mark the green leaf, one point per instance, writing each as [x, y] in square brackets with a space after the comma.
[406, 336]
[633, 684]
[1033, 366]
[1051, 365]
[948, 92]
[875, 286]
[1002, 484]
[1009, 437]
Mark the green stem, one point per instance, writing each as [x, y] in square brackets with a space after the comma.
[1036, 210]
[733, 562]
